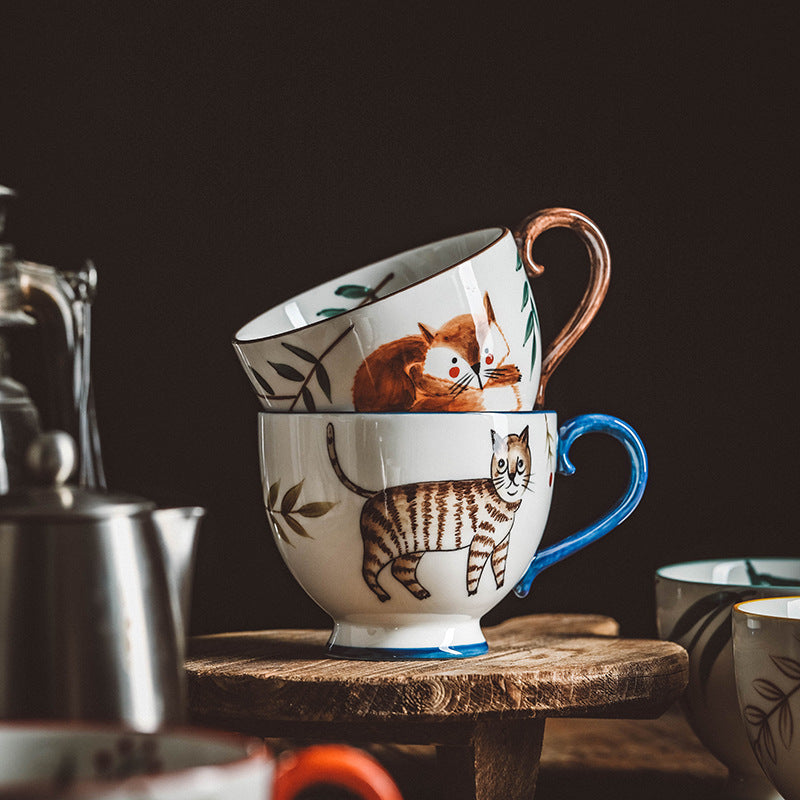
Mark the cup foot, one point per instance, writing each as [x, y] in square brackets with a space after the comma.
[406, 653]
[411, 636]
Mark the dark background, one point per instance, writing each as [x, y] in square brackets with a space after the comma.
[214, 159]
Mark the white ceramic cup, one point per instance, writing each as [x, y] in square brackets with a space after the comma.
[450, 326]
[59, 761]
[407, 528]
[766, 658]
[694, 601]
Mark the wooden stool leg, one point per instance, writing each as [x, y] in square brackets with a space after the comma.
[500, 762]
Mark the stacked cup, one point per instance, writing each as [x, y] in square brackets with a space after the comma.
[407, 467]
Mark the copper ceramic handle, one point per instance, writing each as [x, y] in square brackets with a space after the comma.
[599, 275]
[337, 765]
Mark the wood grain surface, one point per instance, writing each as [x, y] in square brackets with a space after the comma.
[537, 666]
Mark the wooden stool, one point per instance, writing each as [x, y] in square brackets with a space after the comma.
[485, 714]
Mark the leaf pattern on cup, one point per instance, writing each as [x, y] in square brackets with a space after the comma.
[777, 709]
[709, 613]
[550, 441]
[532, 321]
[353, 291]
[288, 510]
[293, 374]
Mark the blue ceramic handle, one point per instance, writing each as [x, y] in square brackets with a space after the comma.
[567, 434]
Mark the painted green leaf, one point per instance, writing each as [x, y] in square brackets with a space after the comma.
[526, 291]
[324, 381]
[315, 509]
[287, 371]
[788, 666]
[298, 351]
[528, 328]
[290, 498]
[331, 312]
[273, 494]
[352, 291]
[519, 263]
[263, 383]
[786, 724]
[308, 399]
[297, 527]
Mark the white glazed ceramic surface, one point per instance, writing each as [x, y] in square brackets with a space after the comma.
[304, 354]
[694, 603]
[49, 760]
[766, 654]
[318, 521]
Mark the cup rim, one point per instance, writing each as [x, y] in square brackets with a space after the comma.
[739, 607]
[659, 572]
[403, 414]
[502, 230]
[253, 750]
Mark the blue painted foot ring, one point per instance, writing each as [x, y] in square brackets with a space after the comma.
[406, 654]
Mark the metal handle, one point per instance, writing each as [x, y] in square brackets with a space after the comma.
[61, 304]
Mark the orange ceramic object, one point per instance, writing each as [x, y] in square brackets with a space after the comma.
[338, 765]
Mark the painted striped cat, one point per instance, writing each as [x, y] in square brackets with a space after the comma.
[400, 524]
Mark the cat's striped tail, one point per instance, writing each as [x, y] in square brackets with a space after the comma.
[337, 468]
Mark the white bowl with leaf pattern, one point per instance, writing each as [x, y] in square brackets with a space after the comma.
[450, 326]
[694, 602]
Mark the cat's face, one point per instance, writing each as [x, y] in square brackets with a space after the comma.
[465, 352]
[511, 465]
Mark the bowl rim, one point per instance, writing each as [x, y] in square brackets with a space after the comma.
[253, 751]
[659, 572]
[739, 607]
[501, 232]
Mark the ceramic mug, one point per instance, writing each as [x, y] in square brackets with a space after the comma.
[450, 326]
[766, 659]
[407, 528]
[694, 601]
[58, 761]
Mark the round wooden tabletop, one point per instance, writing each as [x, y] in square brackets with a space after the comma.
[537, 666]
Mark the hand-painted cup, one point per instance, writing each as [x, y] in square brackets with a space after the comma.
[694, 603]
[407, 528]
[451, 326]
[766, 659]
[57, 761]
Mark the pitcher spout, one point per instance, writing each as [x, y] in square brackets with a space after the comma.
[177, 533]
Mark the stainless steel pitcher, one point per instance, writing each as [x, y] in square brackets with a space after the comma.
[94, 596]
